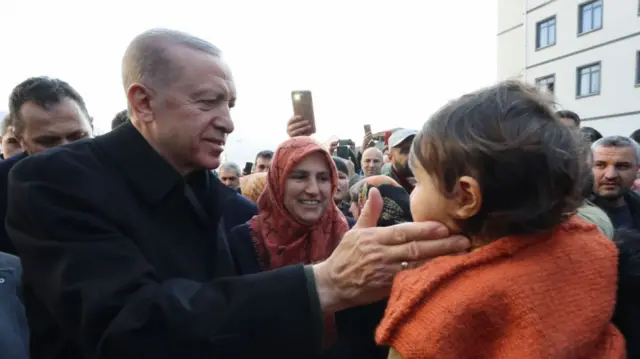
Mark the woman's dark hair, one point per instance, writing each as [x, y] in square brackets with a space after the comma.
[341, 165]
[590, 134]
[529, 165]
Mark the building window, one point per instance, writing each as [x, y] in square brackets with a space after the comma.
[546, 33]
[588, 80]
[547, 83]
[638, 68]
[590, 15]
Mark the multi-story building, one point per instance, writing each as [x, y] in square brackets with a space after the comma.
[587, 52]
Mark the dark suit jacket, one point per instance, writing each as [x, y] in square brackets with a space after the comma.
[119, 261]
[356, 326]
[5, 166]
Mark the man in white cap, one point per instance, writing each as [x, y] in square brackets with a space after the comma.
[398, 166]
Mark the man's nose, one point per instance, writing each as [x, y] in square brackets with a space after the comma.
[610, 172]
[223, 121]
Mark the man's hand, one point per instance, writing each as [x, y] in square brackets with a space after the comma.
[367, 142]
[298, 126]
[361, 269]
[333, 145]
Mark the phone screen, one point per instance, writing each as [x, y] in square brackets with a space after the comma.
[367, 130]
[247, 168]
[343, 152]
[303, 106]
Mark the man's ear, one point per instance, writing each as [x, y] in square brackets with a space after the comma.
[468, 198]
[139, 98]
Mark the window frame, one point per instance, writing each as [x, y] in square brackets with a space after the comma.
[555, 32]
[581, 18]
[544, 79]
[579, 79]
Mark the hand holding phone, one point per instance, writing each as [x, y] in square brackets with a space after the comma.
[247, 168]
[367, 130]
[303, 122]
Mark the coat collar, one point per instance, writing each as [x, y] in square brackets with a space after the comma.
[148, 172]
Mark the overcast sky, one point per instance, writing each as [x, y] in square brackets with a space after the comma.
[388, 64]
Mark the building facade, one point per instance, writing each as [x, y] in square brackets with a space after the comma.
[586, 52]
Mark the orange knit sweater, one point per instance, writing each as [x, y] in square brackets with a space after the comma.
[544, 296]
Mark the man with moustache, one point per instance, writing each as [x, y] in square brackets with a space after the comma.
[398, 168]
[616, 160]
[230, 174]
[123, 237]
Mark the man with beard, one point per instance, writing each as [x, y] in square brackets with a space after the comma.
[589, 211]
[615, 163]
[399, 148]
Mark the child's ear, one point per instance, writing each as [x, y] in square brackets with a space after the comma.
[468, 198]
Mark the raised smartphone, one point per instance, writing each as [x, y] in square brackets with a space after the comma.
[247, 168]
[303, 106]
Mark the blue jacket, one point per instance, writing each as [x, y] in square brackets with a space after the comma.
[14, 332]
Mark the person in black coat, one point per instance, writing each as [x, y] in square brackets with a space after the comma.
[627, 312]
[123, 237]
[45, 113]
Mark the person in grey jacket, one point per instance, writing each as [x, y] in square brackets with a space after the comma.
[14, 332]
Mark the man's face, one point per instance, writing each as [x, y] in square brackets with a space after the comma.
[569, 122]
[10, 144]
[614, 170]
[262, 165]
[57, 125]
[189, 119]
[399, 157]
[342, 193]
[230, 178]
[372, 162]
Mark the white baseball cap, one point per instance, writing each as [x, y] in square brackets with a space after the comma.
[400, 135]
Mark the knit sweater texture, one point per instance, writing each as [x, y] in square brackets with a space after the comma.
[541, 296]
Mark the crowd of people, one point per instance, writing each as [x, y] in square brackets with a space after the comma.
[499, 229]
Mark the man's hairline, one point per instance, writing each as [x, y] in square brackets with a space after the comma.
[234, 167]
[18, 122]
[376, 150]
[634, 148]
[165, 51]
[153, 84]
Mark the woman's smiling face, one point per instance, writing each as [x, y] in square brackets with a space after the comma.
[308, 190]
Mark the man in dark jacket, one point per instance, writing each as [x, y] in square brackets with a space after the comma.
[123, 241]
[45, 113]
[616, 160]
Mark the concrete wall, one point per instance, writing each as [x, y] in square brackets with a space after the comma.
[616, 110]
